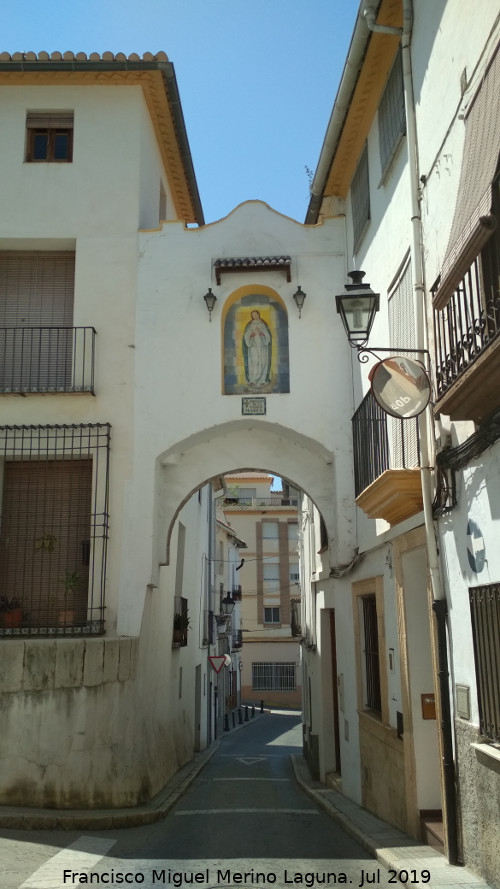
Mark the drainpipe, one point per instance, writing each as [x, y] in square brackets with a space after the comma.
[426, 420]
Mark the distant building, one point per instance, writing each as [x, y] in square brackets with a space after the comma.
[269, 577]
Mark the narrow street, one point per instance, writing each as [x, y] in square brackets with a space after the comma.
[243, 821]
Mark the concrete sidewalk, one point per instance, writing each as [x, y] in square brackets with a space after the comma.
[390, 846]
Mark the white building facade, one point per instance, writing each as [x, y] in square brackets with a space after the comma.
[122, 400]
[411, 159]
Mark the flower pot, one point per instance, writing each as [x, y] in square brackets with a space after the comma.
[66, 617]
[9, 619]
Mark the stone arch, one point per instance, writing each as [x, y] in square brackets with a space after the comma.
[237, 318]
[241, 444]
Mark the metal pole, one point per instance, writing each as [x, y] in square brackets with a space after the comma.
[440, 609]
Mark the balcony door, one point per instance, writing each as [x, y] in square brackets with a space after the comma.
[36, 321]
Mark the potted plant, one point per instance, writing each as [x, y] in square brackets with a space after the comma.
[70, 580]
[181, 624]
[46, 543]
[11, 612]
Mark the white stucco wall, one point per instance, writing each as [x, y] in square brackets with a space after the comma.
[185, 430]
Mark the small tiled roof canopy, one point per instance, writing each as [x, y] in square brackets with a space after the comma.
[253, 264]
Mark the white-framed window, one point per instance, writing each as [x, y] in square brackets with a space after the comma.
[272, 615]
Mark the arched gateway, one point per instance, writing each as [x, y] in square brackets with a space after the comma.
[251, 385]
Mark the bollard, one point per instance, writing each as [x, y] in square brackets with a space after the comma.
[240, 716]
[262, 706]
[253, 711]
[232, 718]
[246, 713]
[226, 722]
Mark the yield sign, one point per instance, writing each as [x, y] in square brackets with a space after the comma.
[217, 662]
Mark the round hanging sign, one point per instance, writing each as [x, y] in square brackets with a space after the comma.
[401, 386]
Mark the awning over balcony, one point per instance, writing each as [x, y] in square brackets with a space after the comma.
[472, 221]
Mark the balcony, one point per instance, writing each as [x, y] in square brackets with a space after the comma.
[386, 464]
[467, 343]
[261, 502]
[237, 640]
[47, 360]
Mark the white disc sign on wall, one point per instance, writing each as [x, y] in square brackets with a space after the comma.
[400, 386]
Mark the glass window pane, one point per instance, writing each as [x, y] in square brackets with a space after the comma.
[40, 143]
[61, 142]
[270, 530]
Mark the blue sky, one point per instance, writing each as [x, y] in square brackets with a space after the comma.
[257, 79]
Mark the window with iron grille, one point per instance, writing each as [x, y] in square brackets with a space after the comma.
[53, 537]
[485, 618]
[371, 667]
[181, 622]
[273, 677]
[49, 137]
[360, 197]
[391, 115]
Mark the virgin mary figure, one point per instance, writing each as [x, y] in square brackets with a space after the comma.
[257, 344]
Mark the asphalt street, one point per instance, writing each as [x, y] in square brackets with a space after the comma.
[243, 822]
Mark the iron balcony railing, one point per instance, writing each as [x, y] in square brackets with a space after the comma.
[464, 328]
[237, 640]
[381, 442]
[47, 359]
[260, 501]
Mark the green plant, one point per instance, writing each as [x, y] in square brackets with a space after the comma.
[70, 580]
[181, 621]
[46, 543]
[7, 604]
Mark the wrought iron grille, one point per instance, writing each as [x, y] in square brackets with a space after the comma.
[208, 634]
[485, 617]
[470, 321]
[381, 442]
[47, 359]
[53, 538]
[181, 622]
[260, 501]
[371, 653]
[273, 677]
[237, 640]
